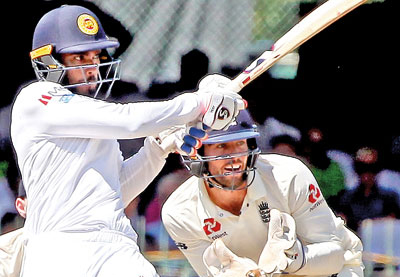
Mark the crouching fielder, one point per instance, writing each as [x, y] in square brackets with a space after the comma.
[248, 214]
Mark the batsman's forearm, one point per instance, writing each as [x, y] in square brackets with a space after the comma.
[139, 171]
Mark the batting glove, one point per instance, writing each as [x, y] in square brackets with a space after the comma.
[283, 252]
[181, 139]
[222, 262]
[192, 141]
[221, 105]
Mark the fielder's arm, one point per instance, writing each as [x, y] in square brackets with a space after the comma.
[328, 244]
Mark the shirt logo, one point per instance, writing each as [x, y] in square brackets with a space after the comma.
[45, 99]
[181, 245]
[66, 98]
[315, 193]
[223, 113]
[211, 226]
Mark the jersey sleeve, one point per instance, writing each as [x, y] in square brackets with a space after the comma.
[54, 111]
[139, 171]
[320, 231]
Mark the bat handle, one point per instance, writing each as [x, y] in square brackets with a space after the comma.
[235, 85]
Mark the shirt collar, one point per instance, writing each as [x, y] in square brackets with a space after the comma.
[255, 192]
[257, 189]
[210, 209]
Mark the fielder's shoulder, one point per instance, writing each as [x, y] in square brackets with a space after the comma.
[281, 164]
[182, 199]
[179, 212]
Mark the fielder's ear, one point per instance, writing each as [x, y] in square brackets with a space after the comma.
[20, 205]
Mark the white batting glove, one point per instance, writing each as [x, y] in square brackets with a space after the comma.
[222, 262]
[181, 139]
[221, 105]
[283, 252]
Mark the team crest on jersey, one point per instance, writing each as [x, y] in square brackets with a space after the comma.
[87, 24]
[264, 211]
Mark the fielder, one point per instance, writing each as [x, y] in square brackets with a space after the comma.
[246, 214]
[12, 243]
[66, 144]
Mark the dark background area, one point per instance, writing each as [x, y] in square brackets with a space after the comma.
[346, 83]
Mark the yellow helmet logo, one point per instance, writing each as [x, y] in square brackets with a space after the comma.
[87, 24]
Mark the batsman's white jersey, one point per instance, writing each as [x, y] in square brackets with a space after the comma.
[282, 183]
[73, 171]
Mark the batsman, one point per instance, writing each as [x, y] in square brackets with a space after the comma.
[73, 171]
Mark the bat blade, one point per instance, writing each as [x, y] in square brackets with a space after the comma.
[309, 26]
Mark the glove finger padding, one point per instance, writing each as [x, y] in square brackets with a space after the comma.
[192, 140]
[182, 139]
[281, 237]
[222, 262]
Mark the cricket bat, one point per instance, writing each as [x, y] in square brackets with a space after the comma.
[309, 26]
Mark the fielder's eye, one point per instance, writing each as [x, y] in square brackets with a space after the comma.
[241, 143]
[78, 58]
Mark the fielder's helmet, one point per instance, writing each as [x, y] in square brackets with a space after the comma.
[71, 29]
[243, 128]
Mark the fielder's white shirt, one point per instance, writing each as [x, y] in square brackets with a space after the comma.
[282, 183]
[72, 169]
[11, 253]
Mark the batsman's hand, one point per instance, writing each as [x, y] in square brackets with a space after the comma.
[181, 139]
[283, 252]
[222, 262]
[221, 106]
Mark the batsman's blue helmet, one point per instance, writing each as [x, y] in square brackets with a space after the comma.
[71, 29]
